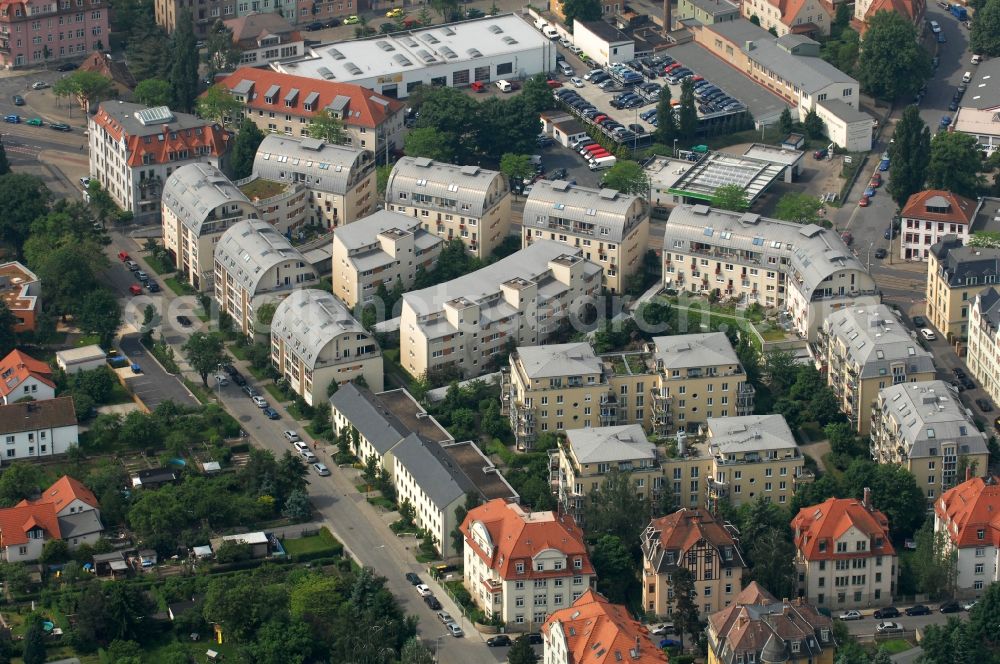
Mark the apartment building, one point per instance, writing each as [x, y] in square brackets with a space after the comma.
[596, 631]
[925, 428]
[521, 299]
[743, 257]
[955, 275]
[21, 291]
[969, 515]
[753, 456]
[199, 204]
[610, 227]
[263, 38]
[811, 18]
[866, 349]
[205, 14]
[843, 555]
[285, 104]
[757, 627]
[467, 203]
[24, 377]
[522, 566]
[929, 216]
[912, 10]
[36, 429]
[696, 540]
[256, 264]
[315, 342]
[384, 248]
[34, 33]
[134, 149]
[983, 356]
[331, 185]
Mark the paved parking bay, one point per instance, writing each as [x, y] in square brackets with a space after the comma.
[763, 105]
[602, 100]
[154, 385]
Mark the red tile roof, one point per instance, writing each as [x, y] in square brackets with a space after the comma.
[62, 492]
[681, 531]
[911, 9]
[961, 210]
[824, 523]
[971, 506]
[518, 536]
[167, 140]
[15, 522]
[599, 632]
[17, 367]
[361, 110]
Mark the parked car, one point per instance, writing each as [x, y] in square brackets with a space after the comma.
[39, 85]
[984, 405]
[13, 119]
[270, 413]
[59, 126]
[883, 165]
[863, 202]
[920, 321]
[308, 456]
[18, 100]
[445, 617]
[424, 590]
[351, 20]
[576, 82]
[413, 578]
[290, 436]
[918, 610]
[432, 602]
[935, 27]
[881, 253]
[67, 66]
[886, 612]
[184, 321]
[135, 289]
[928, 334]
[950, 607]
[249, 390]
[850, 615]
[888, 627]
[870, 192]
[821, 153]
[259, 401]
[661, 628]
[300, 446]
[968, 606]
[454, 630]
[321, 469]
[500, 640]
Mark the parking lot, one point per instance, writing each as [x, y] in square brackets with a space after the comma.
[154, 385]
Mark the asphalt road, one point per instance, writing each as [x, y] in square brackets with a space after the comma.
[153, 385]
[866, 625]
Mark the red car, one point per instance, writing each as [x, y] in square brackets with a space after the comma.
[135, 289]
[863, 202]
[876, 181]
[553, 84]
[122, 256]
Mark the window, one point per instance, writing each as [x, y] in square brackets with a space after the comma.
[979, 568]
[519, 568]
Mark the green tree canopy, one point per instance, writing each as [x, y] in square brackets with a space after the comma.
[687, 123]
[785, 123]
[25, 198]
[730, 197]
[183, 72]
[429, 142]
[615, 567]
[87, 87]
[628, 177]
[100, 313]
[984, 37]
[521, 652]
[327, 127]
[666, 127]
[894, 63]
[218, 105]
[910, 154]
[517, 167]
[583, 10]
[615, 508]
[8, 337]
[800, 208]
[248, 139]
[205, 351]
[954, 164]
[813, 124]
[154, 92]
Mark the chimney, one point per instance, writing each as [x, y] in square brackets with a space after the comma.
[968, 473]
[638, 643]
[667, 18]
[867, 500]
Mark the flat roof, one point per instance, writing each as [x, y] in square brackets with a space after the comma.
[605, 31]
[490, 482]
[762, 103]
[974, 121]
[412, 415]
[665, 172]
[845, 111]
[16, 289]
[987, 215]
[984, 89]
[718, 169]
[774, 153]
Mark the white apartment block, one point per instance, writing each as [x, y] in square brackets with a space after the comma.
[37, 429]
[983, 357]
[929, 216]
[969, 515]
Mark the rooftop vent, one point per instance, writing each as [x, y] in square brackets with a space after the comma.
[336, 55]
[507, 39]
[402, 60]
[352, 68]
[326, 73]
[430, 39]
[385, 46]
[495, 29]
[474, 52]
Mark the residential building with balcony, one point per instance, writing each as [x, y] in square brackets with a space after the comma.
[199, 204]
[472, 321]
[843, 555]
[384, 248]
[466, 203]
[696, 540]
[255, 264]
[756, 627]
[134, 149]
[595, 631]
[285, 104]
[812, 18]
[955, 275]
[929, 216]
[34, 33]
[610, 227]
[748, 259]
[315, 342]
[332, 185]
[523, 566]
[983, 356]
[21, 291]
[925, 428]
[24, 377]
[969, 515]
[864, 350]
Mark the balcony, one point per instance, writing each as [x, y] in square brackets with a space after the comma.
[745, 395]
[506, 391]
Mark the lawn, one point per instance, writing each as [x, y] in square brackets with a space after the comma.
[278, 395]
[383, 502]
[179, 287]
[261, 188]
[239, 352]
[200, 392]
[158, 266]
[294, 411]
[87, 340]
[895, 646]
[321, 545]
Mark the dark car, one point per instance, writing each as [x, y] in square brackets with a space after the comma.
[239, 380]
[881, 253]
[184, 320]
[432, 602]
[498, 641]
[59, 126]
[271, 413]
[984, 405]
[919, 321]
[230, 369]
[67, 66]
[950, 607]
[887, 612]
[821, 153]
[332, 23]
[534, 638]
[968, 383]
[18, 100]
[153, 287]
[413, 579]
[558, 174]
[918, 610]
[315, 25]
[249, 391]
[638, 129]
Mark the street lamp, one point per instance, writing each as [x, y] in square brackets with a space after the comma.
[437, 648]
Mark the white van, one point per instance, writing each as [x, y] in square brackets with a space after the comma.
[504, 86]
[541, 23]
[550, 32]
[602, 163]
[976, 59]
[966, 77]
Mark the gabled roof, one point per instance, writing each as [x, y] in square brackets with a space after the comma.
[518, 536]
[254, 26]
[970, 507]
[62, 492]
[959, 209]
[599, 632]
[32, 415]
[370, 417]
[433, 470]
[15, 522]
[17, 367]
[826, 522]
[677, 533]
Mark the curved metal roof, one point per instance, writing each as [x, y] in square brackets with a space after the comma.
[250, 248]
[323, 166]
[309, 320]
[198, 193]
[607, 214]
[464, 185]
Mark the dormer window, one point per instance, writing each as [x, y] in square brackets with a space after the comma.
[795, 646]
[578, 563]
[539, 566]
[519, 568]
[981, 534]
[822, 547]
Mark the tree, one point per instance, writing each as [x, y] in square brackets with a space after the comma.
[934, 562]
[894, 492]
[583, 10]
[20, 480]
[87, 87]
[521, 652]
[218, 105]
[785, 123]
[910, 154]
[8, 337]
[984, 37]
[205, 352]
[954, 164]
[25, 198]
[615, 568]
[537, 95]
[687, 123]
[731, 197]
[517, 168]
[327, 127]
[67, 274]
[4, 163]
[666, 128]
[34, 642]
[628, 177]
[894, 63]
[183, 73]
[221, 53]
[414, 652]
[154, 92]
[800, 208]
[430, 143]
[99, 313]
[298, 508]
[813, 125]
[684, 612]
[616, 509]
[148, 48]
[773, 555]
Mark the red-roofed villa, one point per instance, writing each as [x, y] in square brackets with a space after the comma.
[969, 514]
[22, 376]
